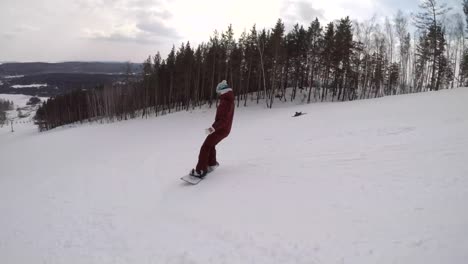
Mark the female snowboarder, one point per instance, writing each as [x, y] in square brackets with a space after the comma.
[218, 131]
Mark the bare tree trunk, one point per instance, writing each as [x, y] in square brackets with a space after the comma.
[263, 71]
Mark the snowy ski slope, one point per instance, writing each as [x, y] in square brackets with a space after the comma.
[371, 181]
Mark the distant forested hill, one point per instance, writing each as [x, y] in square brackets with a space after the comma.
[28, 68]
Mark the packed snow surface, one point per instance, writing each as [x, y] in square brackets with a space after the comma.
[371, 181]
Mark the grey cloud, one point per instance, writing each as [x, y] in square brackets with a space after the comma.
[300, 11]
[148, 16]
[157, 28]
[8, 35]
[144, 3]
[307, 12]
[160, 14]
[120, 37]
[149, 33]
[127, 6]
[26, 28]
[20, 30]
[164, 14]
[116, 37]
[151, 21]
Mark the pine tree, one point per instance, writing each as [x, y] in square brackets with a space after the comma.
[314, 37]
[171, 60]
[342, 55]
[275, 51]
[326, 57]
[428, 20]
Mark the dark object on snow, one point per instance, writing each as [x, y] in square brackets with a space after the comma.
[33, 101]
[298, 114]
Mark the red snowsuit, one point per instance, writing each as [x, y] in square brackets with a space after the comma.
[222, 126]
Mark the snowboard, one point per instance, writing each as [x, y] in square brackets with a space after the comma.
[195, 180]
[191, 179]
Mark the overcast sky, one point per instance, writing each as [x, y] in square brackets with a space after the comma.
[130, 30]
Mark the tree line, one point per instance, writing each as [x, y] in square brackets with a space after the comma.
[342, 60]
